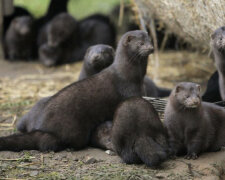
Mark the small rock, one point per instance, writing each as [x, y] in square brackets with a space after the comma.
[75, 159]
[161, 175]
[33, 173]
[211, 178]
[65, 160]
[64, 156]
[111, 153]
[4, 165]
[90, 160]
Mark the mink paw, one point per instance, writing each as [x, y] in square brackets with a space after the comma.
[191, 156]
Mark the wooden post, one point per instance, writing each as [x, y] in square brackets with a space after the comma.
[7, 7]
[1, 30]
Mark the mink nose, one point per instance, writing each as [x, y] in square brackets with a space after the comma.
[196, 101]
[96, 56]
[24, 30]
[150, 48]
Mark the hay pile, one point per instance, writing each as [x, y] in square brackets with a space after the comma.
[193, 21]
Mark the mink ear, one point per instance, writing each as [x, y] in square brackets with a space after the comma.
[178, 88]
[199, 87]
[213, 35]
[128, 39]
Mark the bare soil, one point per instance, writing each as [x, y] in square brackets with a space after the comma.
[22, 84]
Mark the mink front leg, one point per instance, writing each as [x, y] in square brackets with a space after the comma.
[193, 150]
[193, 141]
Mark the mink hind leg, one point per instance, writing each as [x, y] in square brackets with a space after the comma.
[150, 152]
[36, 140]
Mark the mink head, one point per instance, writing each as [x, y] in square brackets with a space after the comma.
[98, 57]
[137, 43]
[22, 24]
[61, 29]
[49, 56]
[187, 94]
[218, 39]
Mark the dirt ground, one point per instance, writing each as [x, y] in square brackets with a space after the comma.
[22, 84]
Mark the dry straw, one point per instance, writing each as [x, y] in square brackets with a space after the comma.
[193, 20]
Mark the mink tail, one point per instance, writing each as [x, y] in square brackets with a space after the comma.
[35, 140]
[163, 92]
[151, 153]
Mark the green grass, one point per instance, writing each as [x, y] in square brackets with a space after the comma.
[78, 8]
[36, 7]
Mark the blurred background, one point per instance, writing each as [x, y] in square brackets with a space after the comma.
[78, 8]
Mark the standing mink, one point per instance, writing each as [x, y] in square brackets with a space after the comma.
[67, 119]
[138, 135]
[19, 42]
[194, 127]
[218, 47]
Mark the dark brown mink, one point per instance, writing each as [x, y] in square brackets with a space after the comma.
[138, 135]
[59, 36]
[19, 41]
[50, 56]
[67, 118]
[60, 30]
[18, 11]
[194, 127]
[218, 48]
[97, 58]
